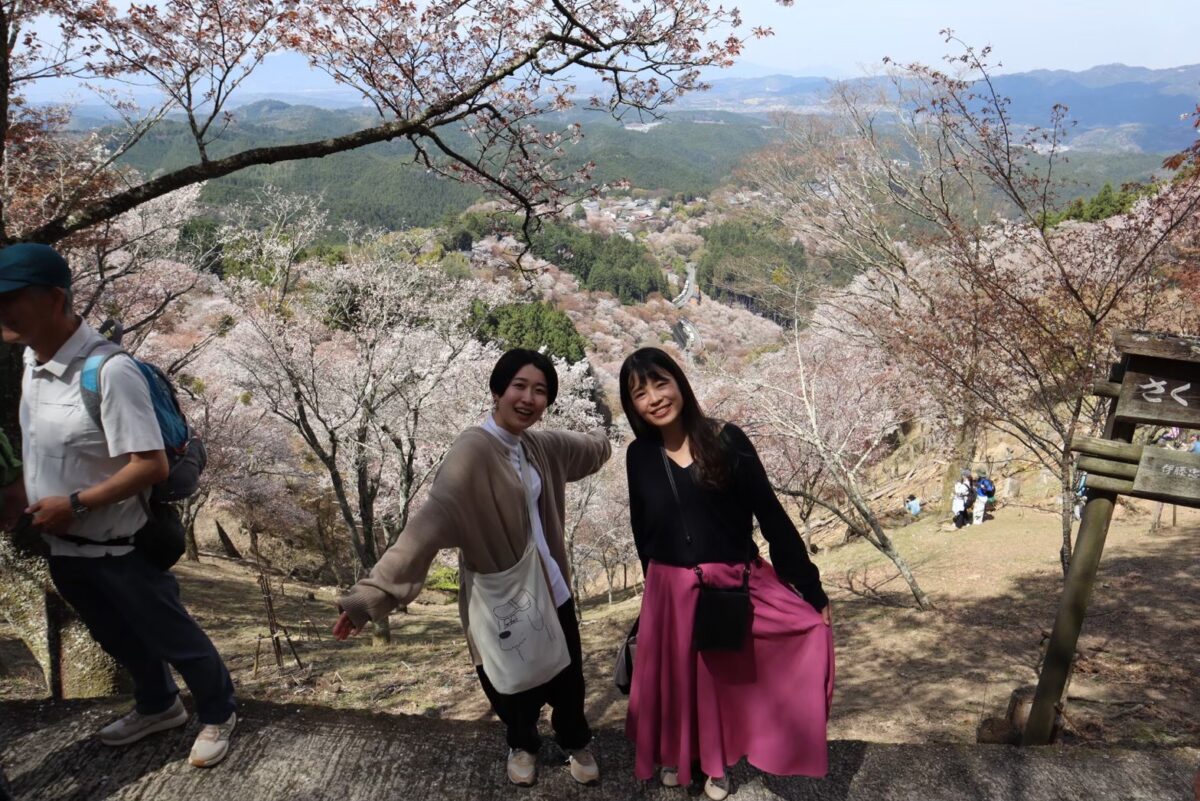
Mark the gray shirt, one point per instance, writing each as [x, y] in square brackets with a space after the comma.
[65, 451]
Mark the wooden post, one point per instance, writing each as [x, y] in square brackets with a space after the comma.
[1060, 651]
[1157, 382]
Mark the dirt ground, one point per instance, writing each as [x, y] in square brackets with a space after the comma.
[903, 676]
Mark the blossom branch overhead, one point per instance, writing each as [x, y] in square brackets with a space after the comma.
[471, 85]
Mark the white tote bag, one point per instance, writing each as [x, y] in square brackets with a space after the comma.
[514, 623]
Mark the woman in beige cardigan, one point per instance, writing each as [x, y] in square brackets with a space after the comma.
[478, 504]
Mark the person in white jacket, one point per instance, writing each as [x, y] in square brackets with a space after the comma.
[958, 503]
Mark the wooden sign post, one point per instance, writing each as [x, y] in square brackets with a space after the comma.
[1156, 382]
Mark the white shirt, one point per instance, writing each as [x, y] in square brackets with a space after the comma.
[64, 451]
[959, 501]
[533, 493]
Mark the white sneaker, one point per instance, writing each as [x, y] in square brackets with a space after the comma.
[716, 789]
[522, 767]
[583, 766]
[669, 777]
[212, 743]
[135, 725]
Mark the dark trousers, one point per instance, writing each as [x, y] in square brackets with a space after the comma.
[133, 611]
[564, 693]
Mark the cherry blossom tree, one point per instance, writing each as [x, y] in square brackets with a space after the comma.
[491, 70]
[826, 410]
[943, 204]
[597, 532]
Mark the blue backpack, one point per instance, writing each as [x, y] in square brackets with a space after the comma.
[186, 455]
[987, 487]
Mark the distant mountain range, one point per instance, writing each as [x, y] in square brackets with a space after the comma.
[1115, 108]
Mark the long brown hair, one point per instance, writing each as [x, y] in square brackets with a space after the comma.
[711, 456]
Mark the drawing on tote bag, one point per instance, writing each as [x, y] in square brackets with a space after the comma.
[520, 619]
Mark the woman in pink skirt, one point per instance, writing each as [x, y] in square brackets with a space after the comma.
[694, 487]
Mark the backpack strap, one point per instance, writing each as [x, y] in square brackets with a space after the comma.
[89, 382]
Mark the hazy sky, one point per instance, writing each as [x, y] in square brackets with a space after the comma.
[843, 38]
[840, 38]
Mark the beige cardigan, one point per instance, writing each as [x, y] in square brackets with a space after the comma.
[477, 505]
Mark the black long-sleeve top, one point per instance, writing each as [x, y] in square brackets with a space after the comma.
[718, 522]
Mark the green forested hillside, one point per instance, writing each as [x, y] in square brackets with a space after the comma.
[379, 185]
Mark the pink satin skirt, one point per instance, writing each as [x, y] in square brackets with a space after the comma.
[768, 702]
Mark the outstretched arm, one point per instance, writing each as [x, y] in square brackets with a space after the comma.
[399, 575]
[580, 454]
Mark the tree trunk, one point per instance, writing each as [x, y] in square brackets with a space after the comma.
[11, 368]
[227, 544]
[961, 456]
[879, 538]
[191, 551]
[191, 509]
[381, 633]
[1158, 510]
[806, 537]
[1068, 518]
[73, 665]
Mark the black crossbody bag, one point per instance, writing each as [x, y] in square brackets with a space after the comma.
[723, 614]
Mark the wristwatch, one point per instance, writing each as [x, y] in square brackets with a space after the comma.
[77, 508]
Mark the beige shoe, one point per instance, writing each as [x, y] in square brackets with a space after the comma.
[583, 766]
[717, 789]
[212, 743]
[669, 777]
[135, 725]
[522, 767]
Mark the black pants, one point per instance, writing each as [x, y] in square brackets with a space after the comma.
[564, 693]
[133, 611]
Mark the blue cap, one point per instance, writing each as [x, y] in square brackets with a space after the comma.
[31, 264]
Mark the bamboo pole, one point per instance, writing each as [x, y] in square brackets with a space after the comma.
[1108, 484]
[1107, 467]
[1095, 446]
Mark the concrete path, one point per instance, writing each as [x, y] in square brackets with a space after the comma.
[297, 753]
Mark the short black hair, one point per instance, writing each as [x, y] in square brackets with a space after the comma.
[508, 365]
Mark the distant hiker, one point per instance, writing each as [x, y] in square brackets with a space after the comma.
[743, 671]
[499, 499]
[1080, 495]
[1195, 447]
[960, 498]
[87, 482]
[985, 493]
[913, 506]
[1169, 437]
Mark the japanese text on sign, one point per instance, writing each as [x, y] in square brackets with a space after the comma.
[1183, 471]
[1155, 389]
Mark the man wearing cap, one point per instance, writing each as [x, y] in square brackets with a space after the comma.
[85, 486]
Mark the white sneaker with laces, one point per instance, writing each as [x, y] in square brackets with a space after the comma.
[135, 725]
[522, 767]
[669, 777]
[212, 743]
[583, 766]
[716, 789]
